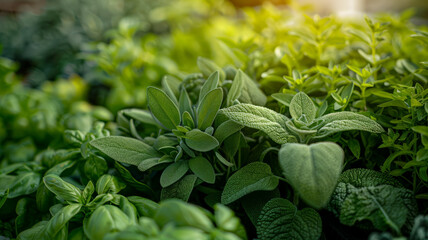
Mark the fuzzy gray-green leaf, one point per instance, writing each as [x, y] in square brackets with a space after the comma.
[202, 168]
[302, 104]
[208, 108]
[163, 108]
[173, 173]
[261, 118]
[200, 141]
[313, 170]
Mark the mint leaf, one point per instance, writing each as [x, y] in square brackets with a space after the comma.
[261, 118]
[312, 170]
[280, 219]
[256, 176]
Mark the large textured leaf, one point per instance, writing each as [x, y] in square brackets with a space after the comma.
[280, 219]
[302, 104]
[261, 118]
[374, 200]
[208, 108]
[126, 150]
[163, 108]
[255, 176]
[313, 170]
[347, 121]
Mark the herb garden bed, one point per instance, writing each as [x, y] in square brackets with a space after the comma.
[266, 124]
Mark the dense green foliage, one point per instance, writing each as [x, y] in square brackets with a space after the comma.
[254, 124]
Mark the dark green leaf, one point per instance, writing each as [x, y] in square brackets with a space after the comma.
[163, 108]
[200, 141]
[202, 168]
[173, 173]
[208, 108]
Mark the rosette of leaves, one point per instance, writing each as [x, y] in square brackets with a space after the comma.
[313, 169]
[189, 138]
[373, 200]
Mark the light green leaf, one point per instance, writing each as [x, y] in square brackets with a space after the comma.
[202, 168]
[182, 215]
[173, 173]
[141, 115]
[302, 104]
[124, 149]
[109, 184]
[261, 118]
[61, 218]
[63, 189]
[207, 67]
[168, 89]
[313, 170]
[280, 219]
[103, 220]
[256, 176]
[209, 85]
[200, 141]
[181, 189]
[163, 108]
[145, 207]
[347, 121]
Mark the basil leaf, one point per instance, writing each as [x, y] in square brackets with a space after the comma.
[202, 168]
[124, 149]
[22, 184]
[63, 189]
[109, 184]
[182, 215]
[280, 219]
[261, 118]
[87, 192]
[163, 108]
[208, 108]
[200, 141]
[173, 173]
[255, 176]
[312, 170]
[103, 220]
[61, 218]
[302, 104]
[144, 206]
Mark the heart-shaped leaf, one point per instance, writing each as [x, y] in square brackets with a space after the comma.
[313, 170]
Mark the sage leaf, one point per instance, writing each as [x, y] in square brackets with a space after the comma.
[209, 85]
[280, 219]
[347, 121]
[235, 89]
[256, 176]
[181, 189]
[63, 189]
[302, 104]
[250, 92]
[226, 129]
[184, 102]
[173, 173]
[202, 168]
[207, 67]
[208, 108]
[163, 108]
[124, 149]
[312, 170]
[261, 118]
[200, 141]
[141, 115]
